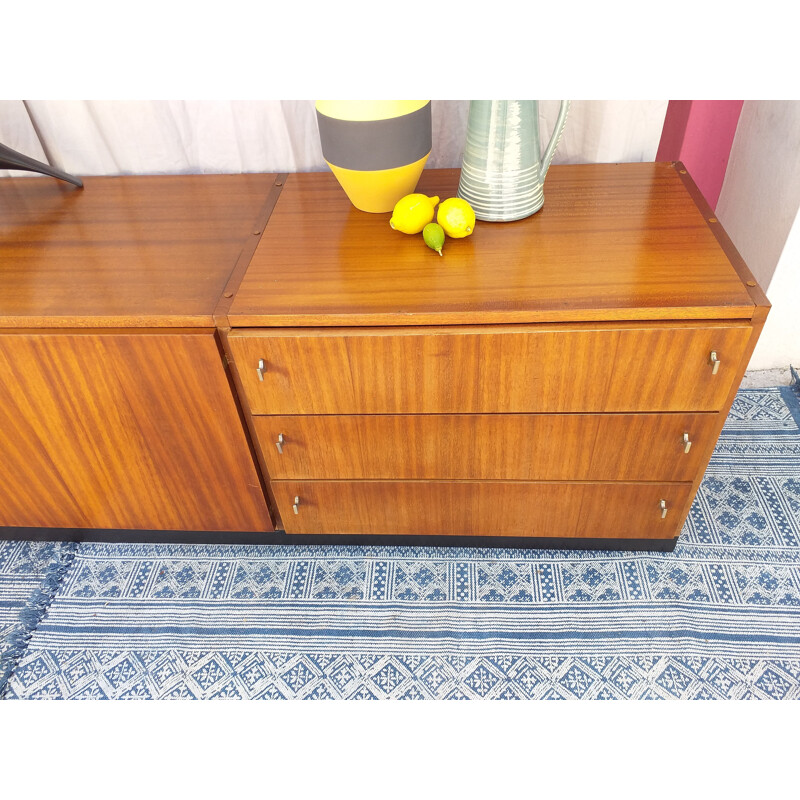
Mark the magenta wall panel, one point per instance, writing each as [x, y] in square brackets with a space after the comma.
[700, 134]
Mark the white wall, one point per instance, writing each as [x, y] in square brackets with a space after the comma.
[779, 344]
[759, 206]
[760, 195]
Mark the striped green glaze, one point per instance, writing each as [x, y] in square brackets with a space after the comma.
[503, 170]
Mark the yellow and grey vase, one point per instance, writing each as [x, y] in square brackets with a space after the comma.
[375, 148]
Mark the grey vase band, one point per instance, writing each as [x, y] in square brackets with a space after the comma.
[376, 144]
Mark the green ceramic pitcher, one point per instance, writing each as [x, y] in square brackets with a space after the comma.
[503, 169]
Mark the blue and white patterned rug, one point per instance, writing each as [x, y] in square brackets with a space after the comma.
[718, 618]
[24, 594]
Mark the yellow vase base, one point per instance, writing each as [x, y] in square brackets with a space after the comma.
[377, 191]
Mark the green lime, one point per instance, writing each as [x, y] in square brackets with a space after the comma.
[433, 234]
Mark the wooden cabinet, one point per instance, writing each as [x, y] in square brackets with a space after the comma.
[117, 416]
[222, 355]
[557, 380]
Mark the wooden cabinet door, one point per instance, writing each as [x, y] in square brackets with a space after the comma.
[485, 508]
[490, 370]
[132, 431]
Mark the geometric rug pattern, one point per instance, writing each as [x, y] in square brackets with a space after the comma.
[719, 618]
[23, 567]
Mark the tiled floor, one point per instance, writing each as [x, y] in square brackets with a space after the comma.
[763, 378]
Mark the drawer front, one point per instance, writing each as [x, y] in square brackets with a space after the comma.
[599, 447]
[514, 369]
[463, 508]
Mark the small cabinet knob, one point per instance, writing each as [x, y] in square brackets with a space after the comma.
[261, 368]
[295, 505]
[714, 361]
[662, 505]
[279, 443]
[686, 443]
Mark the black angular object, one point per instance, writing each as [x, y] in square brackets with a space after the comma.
[11, 159]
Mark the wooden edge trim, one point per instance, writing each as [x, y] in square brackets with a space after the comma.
[127, 322]
[237, 390]
[237, 274]
[471, 481]
[421, 330]
[444, 318]
[244, 419]
[107, 331]
[751, 284]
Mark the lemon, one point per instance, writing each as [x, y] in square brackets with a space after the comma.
[456, 217]
[412, 213]
[433, 234]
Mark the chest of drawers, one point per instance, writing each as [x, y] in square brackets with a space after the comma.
[557, 381]
[206, 358]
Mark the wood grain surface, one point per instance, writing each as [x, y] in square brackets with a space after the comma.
[513, 369]
[134, 431]
[613, 241]
[146, 251]
[602, 510]
[600, 447]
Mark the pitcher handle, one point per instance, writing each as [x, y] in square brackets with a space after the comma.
[544, 164]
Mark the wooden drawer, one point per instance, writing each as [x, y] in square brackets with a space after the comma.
[489, 369]
[599, 447]
[463, 508]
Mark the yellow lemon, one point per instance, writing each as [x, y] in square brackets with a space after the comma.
[456, 217]
[413, 212]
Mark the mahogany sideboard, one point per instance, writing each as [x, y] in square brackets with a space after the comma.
[251, 358]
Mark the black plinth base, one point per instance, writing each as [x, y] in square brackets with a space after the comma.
[280, 537]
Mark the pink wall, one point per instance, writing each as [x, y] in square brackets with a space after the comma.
[700, 134]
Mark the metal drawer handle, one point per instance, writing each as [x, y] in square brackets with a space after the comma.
[686, 443]
[663, 505]
[261, 369]
[279, 443]
[296, 503]
[715, 362]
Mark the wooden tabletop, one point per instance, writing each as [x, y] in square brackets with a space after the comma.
[145, 251]
[612, 242]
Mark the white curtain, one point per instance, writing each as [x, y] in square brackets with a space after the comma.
[122, 137]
